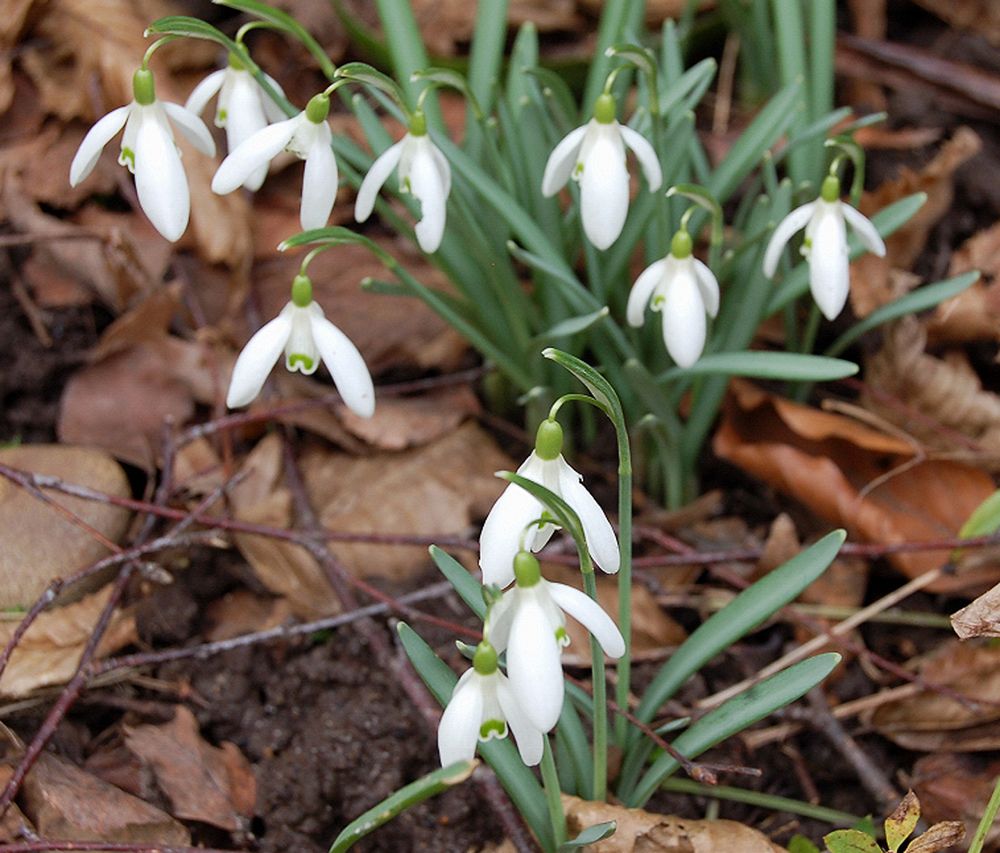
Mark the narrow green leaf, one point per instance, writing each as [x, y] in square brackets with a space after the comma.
[686, 92]
[986, 821]
[362, 72]
[766, 365]
[590, 835]
[182, 25]
[416, 792]
[523, 56]
[468, 588]
[602, 390]
[572, 325]
[850, 841]
[451, 79]
[985, 519]
[565, 516]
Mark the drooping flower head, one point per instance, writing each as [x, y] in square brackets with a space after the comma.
[683, 290]
[242, 108]
[510, 520]
[308, 137]
[594, 156]
[305, 336]
[423, 172]
[149, 152]
[481, 707]
[825, 245]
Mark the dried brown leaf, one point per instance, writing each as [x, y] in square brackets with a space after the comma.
[981, 618]
[242, 611]
[981, 16]
[957, 786]
[401, 422]
[13, 820]
[12, 23]
[941, 836]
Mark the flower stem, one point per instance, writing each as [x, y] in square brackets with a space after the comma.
[624, 578]
[553, 793]
[600, 697]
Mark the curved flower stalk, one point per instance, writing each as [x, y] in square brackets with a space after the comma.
[308, 137]
[305, 336]
[825, 245]
[594, 156]
[481, 707]
[149, 152]
[529, 624]
[516, 510]
[423, 171]
[683, 290]
[242, 108]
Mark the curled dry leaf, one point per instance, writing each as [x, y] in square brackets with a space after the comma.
[37, 542]
[852, 475]
[13, 820]
[642, 832]
[981, 16]
[981, 618]
[957, 786]
[11, 25]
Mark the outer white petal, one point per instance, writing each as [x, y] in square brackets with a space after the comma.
[160, 181]
[93, 143]
[500, 539]
[443, 167]
[642, 291]
[795, 221]
[646, 156]
[530, 742]
[684, 325]
[534, 666]
[193, 128]
[347, 367]
[562, 161]
[601, 540]
[591, 615]
[204, 92]
[458, 731]
[829, 274]
[245, 117]
[427, 186]
[708, 285]
[256, 360]
[377, 175]
[273, 112]
[251, 155]
[501, 614]
[319, 183]
[604, 188]
[865, 229]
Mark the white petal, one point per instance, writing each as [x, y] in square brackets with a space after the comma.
[427, 187]
[601, 540]
[530, 741]
[245, 117]
[684, 325]
[534, 666]
[273, 112]
[497, 627]
[591, 615]
[256, 360]
[377, 175]
[458, 731]
[829, 275]
[708, 286]
[642, 291]
[347, 367]
[319, 183]
[795, 221]
[443, 167]
[500, 539]
[865, 229]
[604, 189]
[193, 128]
[160, 181]
[93, 144]
[646, 156]
[256, 152]
[204, 92]
[562, 161]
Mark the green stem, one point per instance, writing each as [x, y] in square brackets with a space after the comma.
[553, 793]
[624, 577]
[600, 695]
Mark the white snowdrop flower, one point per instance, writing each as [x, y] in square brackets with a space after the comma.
[481, 707]
[305, 336]
[149, 152]
[529, 624]
[308, 137]
[825, 245]
[683, 290]
[423, 172]
[242, 108]
[509, 519]
[594, 156]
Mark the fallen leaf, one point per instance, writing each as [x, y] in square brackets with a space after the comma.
[941, 836]
[974, 314]
[11, 25]
[37, 542]
[957, 786]
[242, 612]
[13, 820]
[981, 618]
[981, 16]
[202, 782]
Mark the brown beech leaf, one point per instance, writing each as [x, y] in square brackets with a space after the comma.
[242, 611]
[981, 618]
[50, 650]
[70, 804]
[973, 315]
[13, 819]
[212, 784]
[981, 16]
[853, 475]
[11, 24]
[941, 836]
[643, 832]
[957, 787]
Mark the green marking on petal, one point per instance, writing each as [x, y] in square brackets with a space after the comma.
[300, 361]
[578, 170]
[221, 116]
[127, 158]
[657, 302]
[492, 728]
[562, 637]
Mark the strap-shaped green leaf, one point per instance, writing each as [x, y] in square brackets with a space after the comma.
[789, 366]
[468, 588]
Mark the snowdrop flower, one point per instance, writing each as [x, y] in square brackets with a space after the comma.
[481, 707]
[149, 152]
[516, 509]
[308, 137]
[529, 624]
[423, 172]
[825, 245]
[242, 108]
[304, 334]
[594, 155]
[683, 290]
